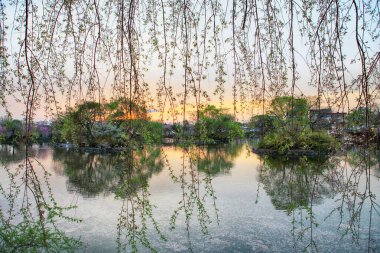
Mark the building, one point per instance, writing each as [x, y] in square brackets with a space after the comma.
[327, 119]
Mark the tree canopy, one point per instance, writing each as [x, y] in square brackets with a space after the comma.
[214, 125]
[108, 124]
[357, 118]
[291, 128]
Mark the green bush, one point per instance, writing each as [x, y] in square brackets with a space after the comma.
[12, 130]
[357, 118]
[318, 140]
[277, 141]
[106, 134]
[214, 125]
[154, 132]
[291, 128]
[110, 124]
[306, 140]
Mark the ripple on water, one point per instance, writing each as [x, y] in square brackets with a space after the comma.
[176, 246]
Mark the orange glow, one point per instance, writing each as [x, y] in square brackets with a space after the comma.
[132, 116]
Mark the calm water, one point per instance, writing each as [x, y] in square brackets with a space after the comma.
[215, 199]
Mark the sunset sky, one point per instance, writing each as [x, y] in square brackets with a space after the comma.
[154, 73]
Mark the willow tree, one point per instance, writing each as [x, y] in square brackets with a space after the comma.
[88, 50]
[56, 54]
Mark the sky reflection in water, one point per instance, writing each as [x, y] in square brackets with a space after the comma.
[209, 199]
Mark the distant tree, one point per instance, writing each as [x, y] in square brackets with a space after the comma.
[121, 110]
[214, 125]
[133, 119]
[357, 118]
[78, 124]
[108, 124]
[11, 130]
[148, 131]
[177, 128]
[262, 123]
[292, 128]
[41, 133]
[291, 113]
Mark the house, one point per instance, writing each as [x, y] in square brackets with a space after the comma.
[326, 119]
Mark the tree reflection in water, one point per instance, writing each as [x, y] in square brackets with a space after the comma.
[199, 165]
[297, 185]
[136, 213]
[30, 216]
[29, 213]
[124, 174]
[353, 183]
[88, 174]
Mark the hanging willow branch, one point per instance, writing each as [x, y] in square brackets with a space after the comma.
[91, 50]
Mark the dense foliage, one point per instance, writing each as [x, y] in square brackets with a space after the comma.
[357, 118]
[120, 122]
[214, 125]
[11, 131]
[306, 140]
[110, 124]
[291, 128]
[262, 123]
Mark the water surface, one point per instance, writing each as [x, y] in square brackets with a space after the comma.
[200, 199]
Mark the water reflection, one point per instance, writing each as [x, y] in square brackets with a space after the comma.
[295, 182]
[216, 159]
[125, 175]
[88, 174]
[92, 174]
[334, 194]
[298, 185]
[136, 213]
[13, 154]
[357, 201]
[194, 175]
[29, 213]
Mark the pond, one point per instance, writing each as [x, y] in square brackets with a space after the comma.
[221, 198]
